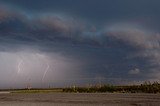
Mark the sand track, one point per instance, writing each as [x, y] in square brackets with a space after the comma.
[79, 99]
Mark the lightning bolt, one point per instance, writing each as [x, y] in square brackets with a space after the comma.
[18, 71]
[47, 66]
[45, 72]
[19, 66]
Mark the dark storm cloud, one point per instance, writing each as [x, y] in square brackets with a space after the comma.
[18, 27]
[115, 40]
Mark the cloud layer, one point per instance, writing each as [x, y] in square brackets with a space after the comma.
[116, 50]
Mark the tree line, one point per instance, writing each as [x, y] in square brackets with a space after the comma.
[146, 87]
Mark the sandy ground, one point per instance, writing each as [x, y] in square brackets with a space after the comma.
[72, 99]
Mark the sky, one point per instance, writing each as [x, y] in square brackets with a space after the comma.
[60, 43]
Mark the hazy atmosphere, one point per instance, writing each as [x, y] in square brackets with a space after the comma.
[60, 43]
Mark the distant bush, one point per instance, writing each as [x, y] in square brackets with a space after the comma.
[146, 87]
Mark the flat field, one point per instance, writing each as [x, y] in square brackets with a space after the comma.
[78, 99]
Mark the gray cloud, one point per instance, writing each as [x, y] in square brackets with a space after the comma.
[146, 42]
[86, 49]
[134, 71]
[135, 36]
[49, 28]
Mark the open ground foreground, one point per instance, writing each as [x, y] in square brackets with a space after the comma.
[78, 99]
